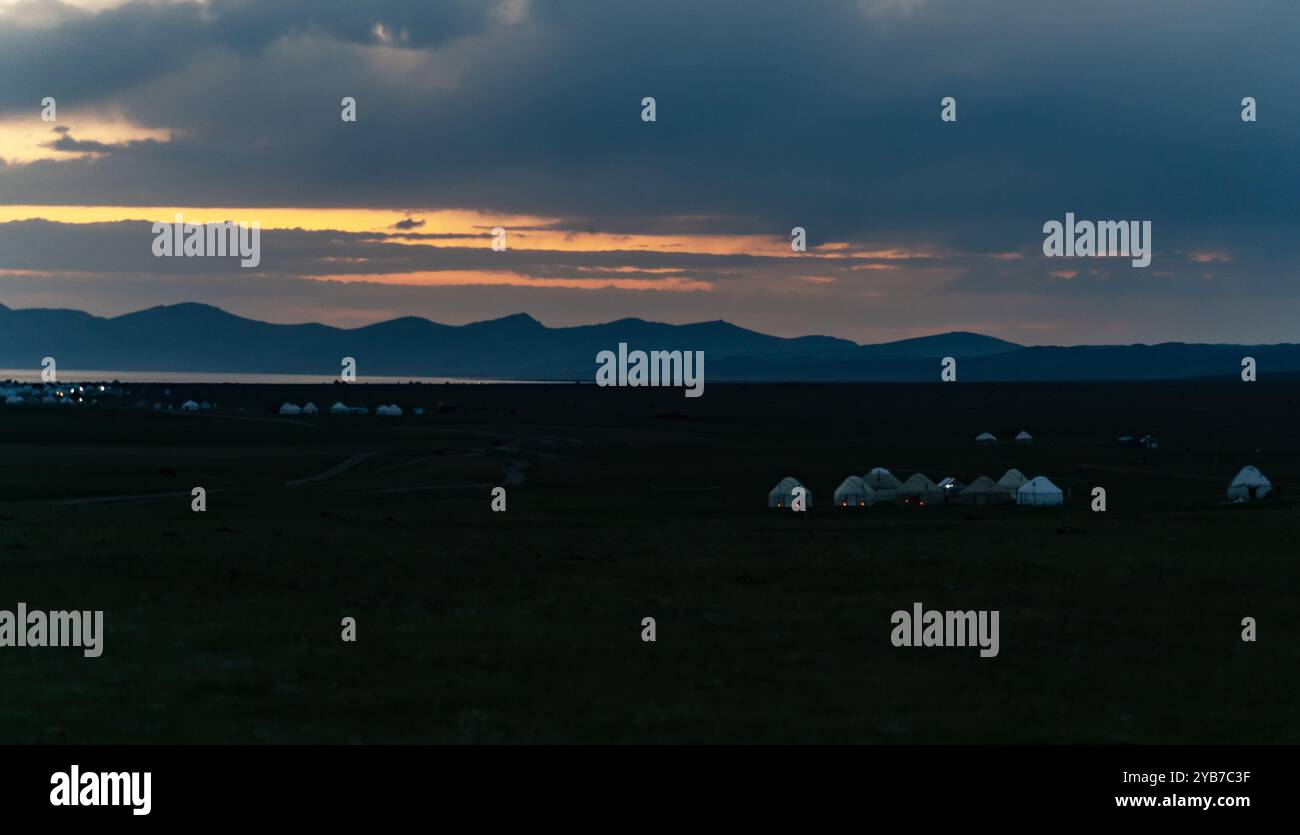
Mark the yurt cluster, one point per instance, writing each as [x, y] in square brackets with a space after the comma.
[392, 410]
[17, 394]
[13, 393]
[880, 486]
[383, 410]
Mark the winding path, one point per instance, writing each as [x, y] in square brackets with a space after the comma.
[338, 469]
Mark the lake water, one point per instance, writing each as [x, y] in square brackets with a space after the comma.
[28, 375]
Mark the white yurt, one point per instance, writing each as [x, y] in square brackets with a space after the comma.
[338, 409]
[883, 484]
[986, 439]
[1012, 479]
[854, 492]
[290, 409]
[782, 495]
[1249, 484]
[1040, 492]
[1024, 438]
[919, 486]
[389, 411]
[14, 400]
[985, 491]
[49, 400]
[310, 409]
[189, 406]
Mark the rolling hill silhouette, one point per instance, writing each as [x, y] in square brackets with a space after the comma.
[201, 338]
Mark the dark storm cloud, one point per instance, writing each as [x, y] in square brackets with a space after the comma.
[825, 115]
[770, 115]
[88, 57]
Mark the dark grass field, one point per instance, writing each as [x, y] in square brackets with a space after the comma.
[524, 626]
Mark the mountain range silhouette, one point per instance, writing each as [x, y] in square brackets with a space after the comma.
[202, 338]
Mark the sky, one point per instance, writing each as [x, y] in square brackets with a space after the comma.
[527, 115]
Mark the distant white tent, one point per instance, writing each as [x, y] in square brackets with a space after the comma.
[782, 495]
[918, 486]
[189, 406]
[310, 409]
[1249, 484]
[14, 400]
[854, 492]
[1024, 438]
[290, 409]
[951, 487]
[1012, 479]
[338, 409]
[1040, 492]
[389, 411]
[883, 484]
[1149, 442]
[49, 400]
[986, 439]
[984, 491]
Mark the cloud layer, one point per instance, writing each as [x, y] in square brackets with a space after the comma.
[823, 115]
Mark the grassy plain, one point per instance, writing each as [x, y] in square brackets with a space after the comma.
[524, 626]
